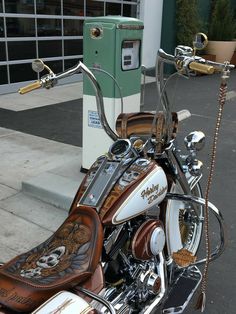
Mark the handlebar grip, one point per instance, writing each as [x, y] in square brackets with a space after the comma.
[202, 68]
[30, 87]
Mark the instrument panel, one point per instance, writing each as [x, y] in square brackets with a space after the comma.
[120, 148]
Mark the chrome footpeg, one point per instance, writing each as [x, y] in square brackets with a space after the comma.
[182, 291]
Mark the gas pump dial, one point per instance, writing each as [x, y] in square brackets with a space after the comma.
[130, 54]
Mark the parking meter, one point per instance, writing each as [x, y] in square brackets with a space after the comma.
[112, 48]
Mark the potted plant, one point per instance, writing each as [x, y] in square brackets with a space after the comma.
[222, 29]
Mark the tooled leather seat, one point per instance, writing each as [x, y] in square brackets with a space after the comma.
[67, 258]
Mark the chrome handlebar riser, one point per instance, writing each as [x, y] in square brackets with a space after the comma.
[51, 79]
[185, 54]
[182, 60]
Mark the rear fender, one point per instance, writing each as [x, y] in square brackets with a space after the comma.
[67, 302]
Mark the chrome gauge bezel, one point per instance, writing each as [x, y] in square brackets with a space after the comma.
[123, 153]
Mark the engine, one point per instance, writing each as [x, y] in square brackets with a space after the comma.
[131, 265]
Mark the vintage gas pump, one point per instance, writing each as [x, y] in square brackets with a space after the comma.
[113, 45]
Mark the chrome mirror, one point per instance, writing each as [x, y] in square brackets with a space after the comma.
[200, 41]
[195, 141]
[38, 66]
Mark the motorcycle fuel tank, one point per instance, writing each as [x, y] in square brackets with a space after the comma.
[120, 191]
[141, 186]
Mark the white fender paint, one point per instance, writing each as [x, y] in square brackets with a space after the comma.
[64, 302]
[151, 191]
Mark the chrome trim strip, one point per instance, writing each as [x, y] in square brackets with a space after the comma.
[51, 79]
[116, 82]
[100, 103]
[193, 181]
[132, 27]
[102, 191]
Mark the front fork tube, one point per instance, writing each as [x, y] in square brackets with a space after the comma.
[179, 174]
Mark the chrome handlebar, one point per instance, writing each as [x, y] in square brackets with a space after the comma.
[184, 61]
[51, 80]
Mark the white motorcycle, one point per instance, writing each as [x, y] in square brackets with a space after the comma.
[130, 243]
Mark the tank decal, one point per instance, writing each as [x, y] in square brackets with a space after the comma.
[150, 191]
[128, 181]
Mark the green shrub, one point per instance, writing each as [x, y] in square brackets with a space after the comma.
[187, 21]
[222, 23]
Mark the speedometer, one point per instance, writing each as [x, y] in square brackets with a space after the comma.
[120, 148]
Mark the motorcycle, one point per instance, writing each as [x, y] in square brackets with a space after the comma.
[131, 241]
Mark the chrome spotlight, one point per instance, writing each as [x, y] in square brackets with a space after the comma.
[195, 141]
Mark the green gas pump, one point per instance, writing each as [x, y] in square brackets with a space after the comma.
[112, 48]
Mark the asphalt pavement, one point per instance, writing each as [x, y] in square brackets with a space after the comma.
[40, 138]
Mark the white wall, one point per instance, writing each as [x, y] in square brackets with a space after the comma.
[151, 15]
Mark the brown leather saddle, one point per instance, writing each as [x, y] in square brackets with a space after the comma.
[67, 258]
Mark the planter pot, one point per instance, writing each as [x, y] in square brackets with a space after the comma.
[233, 60]
[223, 50]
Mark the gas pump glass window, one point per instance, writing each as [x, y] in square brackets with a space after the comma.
[130, 55]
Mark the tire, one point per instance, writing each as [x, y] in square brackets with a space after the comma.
[183, 230]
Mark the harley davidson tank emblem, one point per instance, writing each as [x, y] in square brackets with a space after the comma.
[153, 192]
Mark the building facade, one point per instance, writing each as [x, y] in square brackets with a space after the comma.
[47, 29]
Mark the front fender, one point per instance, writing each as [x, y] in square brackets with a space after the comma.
[201, 201]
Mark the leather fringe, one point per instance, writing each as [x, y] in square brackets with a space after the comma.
[201, 302]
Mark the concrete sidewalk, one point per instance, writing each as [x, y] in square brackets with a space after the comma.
[41, 97]
[26, 221]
